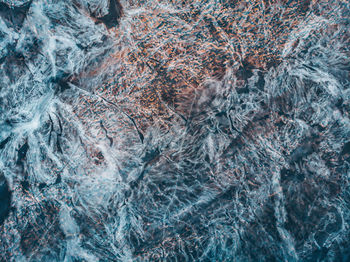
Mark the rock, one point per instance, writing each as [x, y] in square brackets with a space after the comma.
[5, 198]
[114, 13]
[14, 13]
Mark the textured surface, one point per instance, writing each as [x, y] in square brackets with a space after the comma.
[174, 130]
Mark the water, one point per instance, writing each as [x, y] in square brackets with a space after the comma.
[174, 130]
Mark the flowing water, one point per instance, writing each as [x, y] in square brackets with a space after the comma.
[195, 130]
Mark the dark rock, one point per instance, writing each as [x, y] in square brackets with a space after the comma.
[14, 15]
[4, 142]
[244, 90]
[245, 71]
[25, 185]
[42, 185]
[5, 198]
[345, 153]
[58, 179]
[318, 255]
[22, 153]
[114, 13]
[150, 155]
[61, 81]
